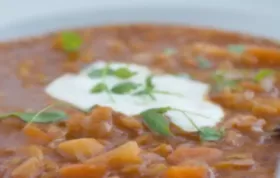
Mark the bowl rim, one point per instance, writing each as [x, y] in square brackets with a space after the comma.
[238, 15]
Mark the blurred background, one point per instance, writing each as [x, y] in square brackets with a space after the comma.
[253, 16]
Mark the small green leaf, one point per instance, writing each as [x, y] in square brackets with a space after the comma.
[210, 134]
[156, 122]
[125, 87]
[71, 41]
[169, 51]
[161, 110]
[262, 74]
[98, 88]
[237, 49]
[99, 72]
[203, 63]
[184, 75]
[149, 82]
[124, 73]
[44, 117]
[222, 83]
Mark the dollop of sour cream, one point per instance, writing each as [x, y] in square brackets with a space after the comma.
[190, 95]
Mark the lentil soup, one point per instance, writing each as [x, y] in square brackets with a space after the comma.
[241, 70]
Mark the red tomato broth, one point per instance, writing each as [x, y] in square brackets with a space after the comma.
[128, 149]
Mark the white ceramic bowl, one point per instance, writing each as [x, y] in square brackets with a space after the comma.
[34, 17]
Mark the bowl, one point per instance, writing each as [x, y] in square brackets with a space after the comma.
[35, 18]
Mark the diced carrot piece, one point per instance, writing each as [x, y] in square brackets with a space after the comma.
[80, 148]
[27, 169]
[185, 152]
[36, 135]
[127, 153]
[35, 151]
[186, 172]
[264, 55]
[82, 171]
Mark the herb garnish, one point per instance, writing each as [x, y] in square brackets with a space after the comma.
[125, 87]
[98, 88]
[43, 116]
[102, 86]
[169, 51]
[203, 63]
[211, 134]
[157, 122]
[122, 73]
[99, 72]
[262, 74]
[237, 49]
[222, 82]
[71, 41]
[150, 90]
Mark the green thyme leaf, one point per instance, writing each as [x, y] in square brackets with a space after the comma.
[169, 51]
[156, 121]
[263, 73]
[237, 49]
[203, 63]
[221, 82]
[149, 82]
[161, 110]
[71, 41]
[184, 75]
[98, 88]
[125, 87]
[44, 117]
[99, 72]
[210, 134]
[124, 73]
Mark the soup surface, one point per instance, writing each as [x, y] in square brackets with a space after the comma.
[243, 73]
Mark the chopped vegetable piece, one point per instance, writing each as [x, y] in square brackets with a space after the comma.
[29, 168]
[36, 135]
[82, 148]
[185, 152]
[186, 172]
[125, 87]
[127, 153]
[210, 134]
[237, 49]
[124, 73]
[262, 74]
[35, 151]
[98, 88]
[156, 121]
[203, 63]
[236, 164]
[82, 171]
[44, 117]
[71, 41]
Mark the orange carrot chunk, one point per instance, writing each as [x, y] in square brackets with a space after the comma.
[36, 135]
[82, 171]
[186, 172]
[127, 153]
[184, 152]
[27, 169]
[80, 148]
